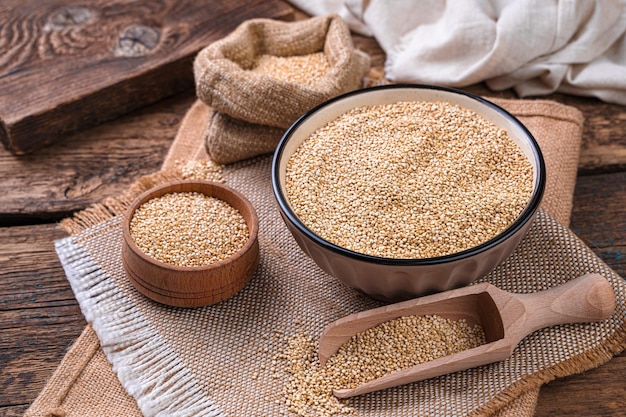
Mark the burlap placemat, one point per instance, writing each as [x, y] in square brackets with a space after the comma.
[201, 361]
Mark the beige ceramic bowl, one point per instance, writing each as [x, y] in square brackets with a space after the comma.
[396, 279]
[191, 286]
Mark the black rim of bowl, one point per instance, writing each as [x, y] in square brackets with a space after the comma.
[521, 220]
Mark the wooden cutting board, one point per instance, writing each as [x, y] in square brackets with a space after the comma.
[69, 65]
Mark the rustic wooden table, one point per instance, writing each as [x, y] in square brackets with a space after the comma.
[40, 318]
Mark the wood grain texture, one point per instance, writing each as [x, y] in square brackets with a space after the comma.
[37, 282]
[39, 316]
[594, 393]
[68, 65]
[89, 166]
[599, 217]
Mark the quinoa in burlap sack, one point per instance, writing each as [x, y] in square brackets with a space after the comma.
[265, 74]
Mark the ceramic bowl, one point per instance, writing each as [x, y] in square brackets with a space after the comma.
[192, 286]
[392, 279]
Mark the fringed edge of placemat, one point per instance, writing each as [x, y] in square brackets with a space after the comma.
[180, 395]
[130, 342]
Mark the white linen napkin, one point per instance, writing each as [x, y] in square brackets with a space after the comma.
[535, 47]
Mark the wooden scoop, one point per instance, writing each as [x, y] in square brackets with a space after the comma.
[505, 317]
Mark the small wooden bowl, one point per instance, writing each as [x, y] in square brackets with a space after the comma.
[192, 286]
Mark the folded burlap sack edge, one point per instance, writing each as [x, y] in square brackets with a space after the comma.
[229, 140]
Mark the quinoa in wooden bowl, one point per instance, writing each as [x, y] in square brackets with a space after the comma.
[190, 243]
[404, 190]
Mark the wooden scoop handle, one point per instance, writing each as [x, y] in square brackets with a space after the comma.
[587, 298]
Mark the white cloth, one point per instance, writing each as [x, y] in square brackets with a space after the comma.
[533, 46]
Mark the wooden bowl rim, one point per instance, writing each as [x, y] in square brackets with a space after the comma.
[252, 223]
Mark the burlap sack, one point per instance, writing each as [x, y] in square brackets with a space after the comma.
[224, 80]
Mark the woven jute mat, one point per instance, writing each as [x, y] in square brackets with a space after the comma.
[137, 356]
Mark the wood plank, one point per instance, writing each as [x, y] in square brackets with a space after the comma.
[89, 166]
[13, 410]
[39, 316]
[29, 354]
[597, 392]
[101, 162]
[31, 275]
[598, 217]
[604, 143]
[68, 65]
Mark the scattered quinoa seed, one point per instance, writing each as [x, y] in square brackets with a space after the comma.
[200, 170]
[303, 69]
[308, 390]
[188, 229]
[408, 180]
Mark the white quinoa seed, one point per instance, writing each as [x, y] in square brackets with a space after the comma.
[408, 180]
[188, 229]
[200, 170]
[308, 390]
[303, 69]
